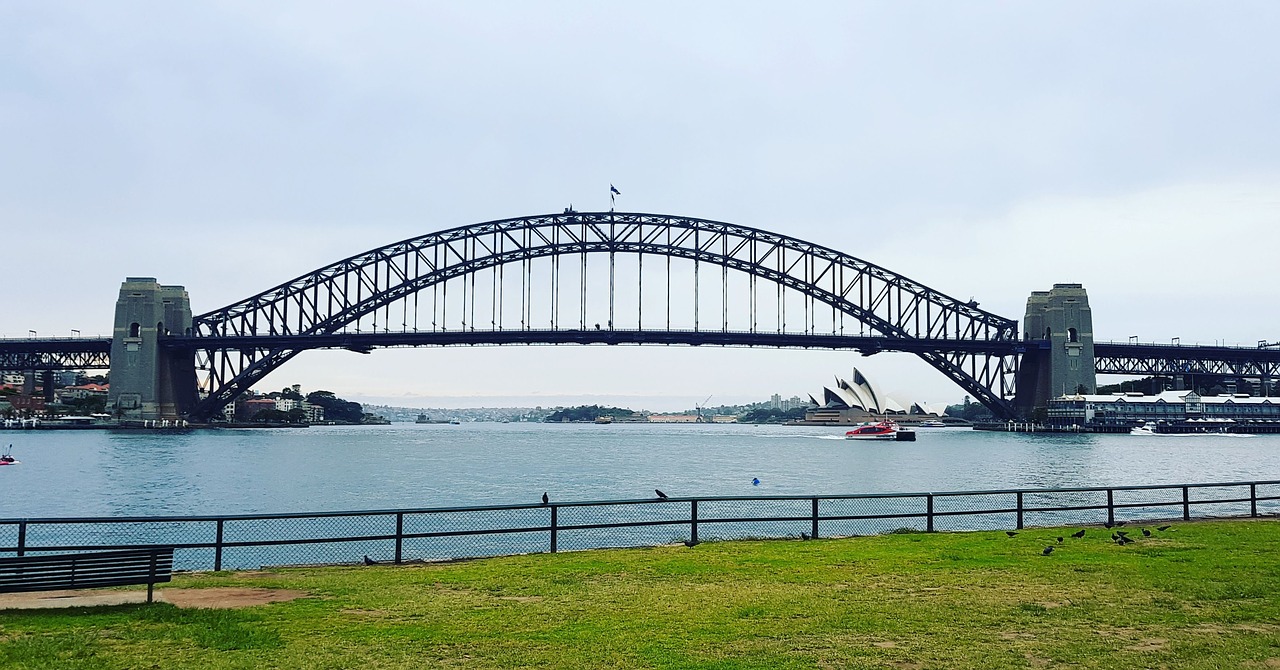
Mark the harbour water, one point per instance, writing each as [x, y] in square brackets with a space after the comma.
[128, 473]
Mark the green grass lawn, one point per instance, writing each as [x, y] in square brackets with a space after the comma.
[1201, 595]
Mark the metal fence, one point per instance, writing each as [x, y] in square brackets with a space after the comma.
[443, 533]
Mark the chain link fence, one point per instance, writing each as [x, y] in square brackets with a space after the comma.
[241, 542]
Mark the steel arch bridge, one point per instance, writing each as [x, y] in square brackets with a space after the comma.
[602, 277]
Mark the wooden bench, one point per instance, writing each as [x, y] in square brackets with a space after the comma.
[87, 571]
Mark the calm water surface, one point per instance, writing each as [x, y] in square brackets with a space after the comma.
[93, 473]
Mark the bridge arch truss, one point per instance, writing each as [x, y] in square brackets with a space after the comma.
[603, 271]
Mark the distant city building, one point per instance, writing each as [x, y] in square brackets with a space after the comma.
[775, 402]
[286, 404]
[315, 413]
[83, 391]
[245, 411]
[794, 402]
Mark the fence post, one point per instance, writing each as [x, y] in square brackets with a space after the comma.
[217, 549]
[1253, 500]
[553, 528]
[1111, 506]
[929, 513]
[1186, 504]
[815, 519]
[399, 536]
[693, 521]
[1019, 510]
[22, 538]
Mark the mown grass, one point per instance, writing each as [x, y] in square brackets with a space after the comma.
[1202, 595]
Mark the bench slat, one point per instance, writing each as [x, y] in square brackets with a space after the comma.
[88, 570]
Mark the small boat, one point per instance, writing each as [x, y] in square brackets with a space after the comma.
[422, 418]
[455, 422]
[883, 430]
[1142, 430]
[932, 423]
[7, 457]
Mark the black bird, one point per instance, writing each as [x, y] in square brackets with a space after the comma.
[1059, 540]
[545, 499]
[1163, 528]
[660, 494]
[1047, 550]
[1108, 525]
[369, 561]
[804, 536]
[1122, 533]
[1010, 533]
[1121, 523]
[1115, 537]
[1079, 534]
[691, 543]
[1146, 533]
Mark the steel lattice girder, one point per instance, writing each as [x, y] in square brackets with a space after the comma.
[1170, 360]
[55, 354]
[327, 300]
[77, 360]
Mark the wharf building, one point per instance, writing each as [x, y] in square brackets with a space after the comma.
[1170, 411]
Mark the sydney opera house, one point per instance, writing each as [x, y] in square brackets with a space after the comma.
[859, 399]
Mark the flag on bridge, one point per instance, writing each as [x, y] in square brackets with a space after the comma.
[613, 191]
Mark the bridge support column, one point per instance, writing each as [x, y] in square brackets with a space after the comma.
[1060, 322]
[149, 381]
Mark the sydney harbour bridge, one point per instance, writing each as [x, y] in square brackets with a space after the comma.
[606, 278]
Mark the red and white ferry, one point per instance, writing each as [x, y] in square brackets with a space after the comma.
[882, 430]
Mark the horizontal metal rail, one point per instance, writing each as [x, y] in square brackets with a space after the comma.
[278, 533]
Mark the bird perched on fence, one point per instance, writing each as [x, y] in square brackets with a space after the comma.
[369, 561]
[545, 499]
[661, 495]
[1010, 533]
[1047, 550]
[1079, 534]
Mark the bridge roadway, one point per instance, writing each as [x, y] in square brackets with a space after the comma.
[1120, 358]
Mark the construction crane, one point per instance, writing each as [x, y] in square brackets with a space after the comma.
[699, 407]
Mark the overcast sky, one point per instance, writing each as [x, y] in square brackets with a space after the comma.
[984, 149]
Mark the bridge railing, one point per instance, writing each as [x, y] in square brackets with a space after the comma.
[444, 533]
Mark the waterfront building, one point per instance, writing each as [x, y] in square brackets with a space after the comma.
[1169, 407]
[674, 418]
[859, 399]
